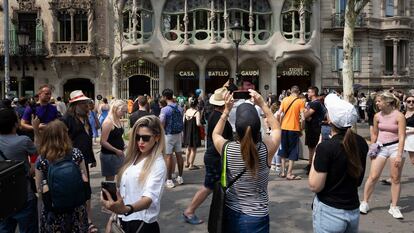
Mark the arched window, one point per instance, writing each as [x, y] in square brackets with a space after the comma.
[209, 20]
[138, 26]
[291, 21]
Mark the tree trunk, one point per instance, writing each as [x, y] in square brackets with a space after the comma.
[348, 47]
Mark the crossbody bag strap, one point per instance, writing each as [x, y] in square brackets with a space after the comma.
[224, 169]
[290, 105]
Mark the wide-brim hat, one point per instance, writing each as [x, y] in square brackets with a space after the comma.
[218, 97]
[341, 113]
[76, 96]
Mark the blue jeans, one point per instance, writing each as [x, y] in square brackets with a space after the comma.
[26, 218]
[236, 222]
[327, 219]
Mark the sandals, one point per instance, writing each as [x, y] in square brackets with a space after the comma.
[281, 175]
[193, 220]
[385, 182]
[294, 177]
[194, 167]
[92, 228]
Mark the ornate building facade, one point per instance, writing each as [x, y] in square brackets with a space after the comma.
[68, 47]
[187, 44]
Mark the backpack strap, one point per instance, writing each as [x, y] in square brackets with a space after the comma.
[223, 179]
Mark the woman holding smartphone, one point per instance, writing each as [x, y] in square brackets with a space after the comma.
[141, 178]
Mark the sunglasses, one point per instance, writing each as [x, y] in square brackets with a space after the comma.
[410, 101]
[145, 138]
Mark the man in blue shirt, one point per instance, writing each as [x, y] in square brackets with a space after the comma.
[42, 110]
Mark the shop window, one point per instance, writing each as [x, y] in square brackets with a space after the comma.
[138, 27]
[291, 21]
[338, 58]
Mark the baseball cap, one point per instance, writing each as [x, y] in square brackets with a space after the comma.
[341, 113]
[246, 115]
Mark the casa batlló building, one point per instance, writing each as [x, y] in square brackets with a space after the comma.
[187, 44]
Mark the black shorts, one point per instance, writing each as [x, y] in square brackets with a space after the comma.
[312, 135]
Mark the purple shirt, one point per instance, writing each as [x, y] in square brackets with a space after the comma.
[46, 113]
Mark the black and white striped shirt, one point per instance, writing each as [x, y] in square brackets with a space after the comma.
[247, 195]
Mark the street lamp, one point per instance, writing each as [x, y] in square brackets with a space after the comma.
[23, 39]
[236, 31]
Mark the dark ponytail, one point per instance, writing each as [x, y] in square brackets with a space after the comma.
[249, 152]
[352, 153]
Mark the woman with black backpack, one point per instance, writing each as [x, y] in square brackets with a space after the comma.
[61, 181]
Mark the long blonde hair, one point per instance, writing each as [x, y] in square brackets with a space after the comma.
[54, 141]
[114, 107]
[390, 99]
[152, 123]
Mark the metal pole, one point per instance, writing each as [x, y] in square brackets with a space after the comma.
[23, 67]
[237, 62]
[6, 49]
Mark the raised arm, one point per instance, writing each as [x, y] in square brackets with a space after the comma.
[218, 139]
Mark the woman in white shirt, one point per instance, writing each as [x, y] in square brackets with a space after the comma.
[141, 178]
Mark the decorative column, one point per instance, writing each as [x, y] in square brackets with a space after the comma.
[90, 25]
[202, 77]
[251, 23]
[185, 24]
[115, 81]
[54, 25]
[395, 57]
[20, 87]
[212, 19]
[396, 5]
[273, 78]
[226, 24]
[134, 21]
[302, 12]
[72, 24]
[161, 73]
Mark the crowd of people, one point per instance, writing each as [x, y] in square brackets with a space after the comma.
[141, 144]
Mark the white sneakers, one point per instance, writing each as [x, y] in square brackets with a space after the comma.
[394, 210]
[179, 180]
[170, 183]
[363, 207]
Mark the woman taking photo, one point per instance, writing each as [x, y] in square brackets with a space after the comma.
[112, 143]
[54, 145]
[192, 122]
[337, 171]
[249, 159]
[389, 134]
[141, 178]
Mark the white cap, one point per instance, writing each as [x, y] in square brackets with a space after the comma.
[341, 113]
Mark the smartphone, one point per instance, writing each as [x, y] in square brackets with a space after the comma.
[110, 186]
[241, 95]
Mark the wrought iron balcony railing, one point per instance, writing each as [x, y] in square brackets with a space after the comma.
[35, 48]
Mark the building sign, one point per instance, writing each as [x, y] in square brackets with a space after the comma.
[250, 73]
[296, 72]
[186, 74]
[223, 73]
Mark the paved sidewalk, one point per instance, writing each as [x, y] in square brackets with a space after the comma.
[289, 202]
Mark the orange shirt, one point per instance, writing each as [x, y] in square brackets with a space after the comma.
[291, 118]
[130, 104]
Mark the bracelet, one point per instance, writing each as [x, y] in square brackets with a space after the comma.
[130, 211]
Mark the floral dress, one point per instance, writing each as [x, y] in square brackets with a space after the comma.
[75, 221]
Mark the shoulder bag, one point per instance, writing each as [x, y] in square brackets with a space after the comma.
[216, 214]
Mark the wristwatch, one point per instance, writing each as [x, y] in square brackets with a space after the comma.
[131, 210]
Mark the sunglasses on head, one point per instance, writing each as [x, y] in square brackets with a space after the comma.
[145, 138]
[410, 101]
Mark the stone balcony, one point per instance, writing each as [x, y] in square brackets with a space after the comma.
[72, 49]
[397, 22]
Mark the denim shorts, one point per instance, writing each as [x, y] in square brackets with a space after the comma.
[289, 145]
[236, 222]
[110, 164]
[328, 219]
